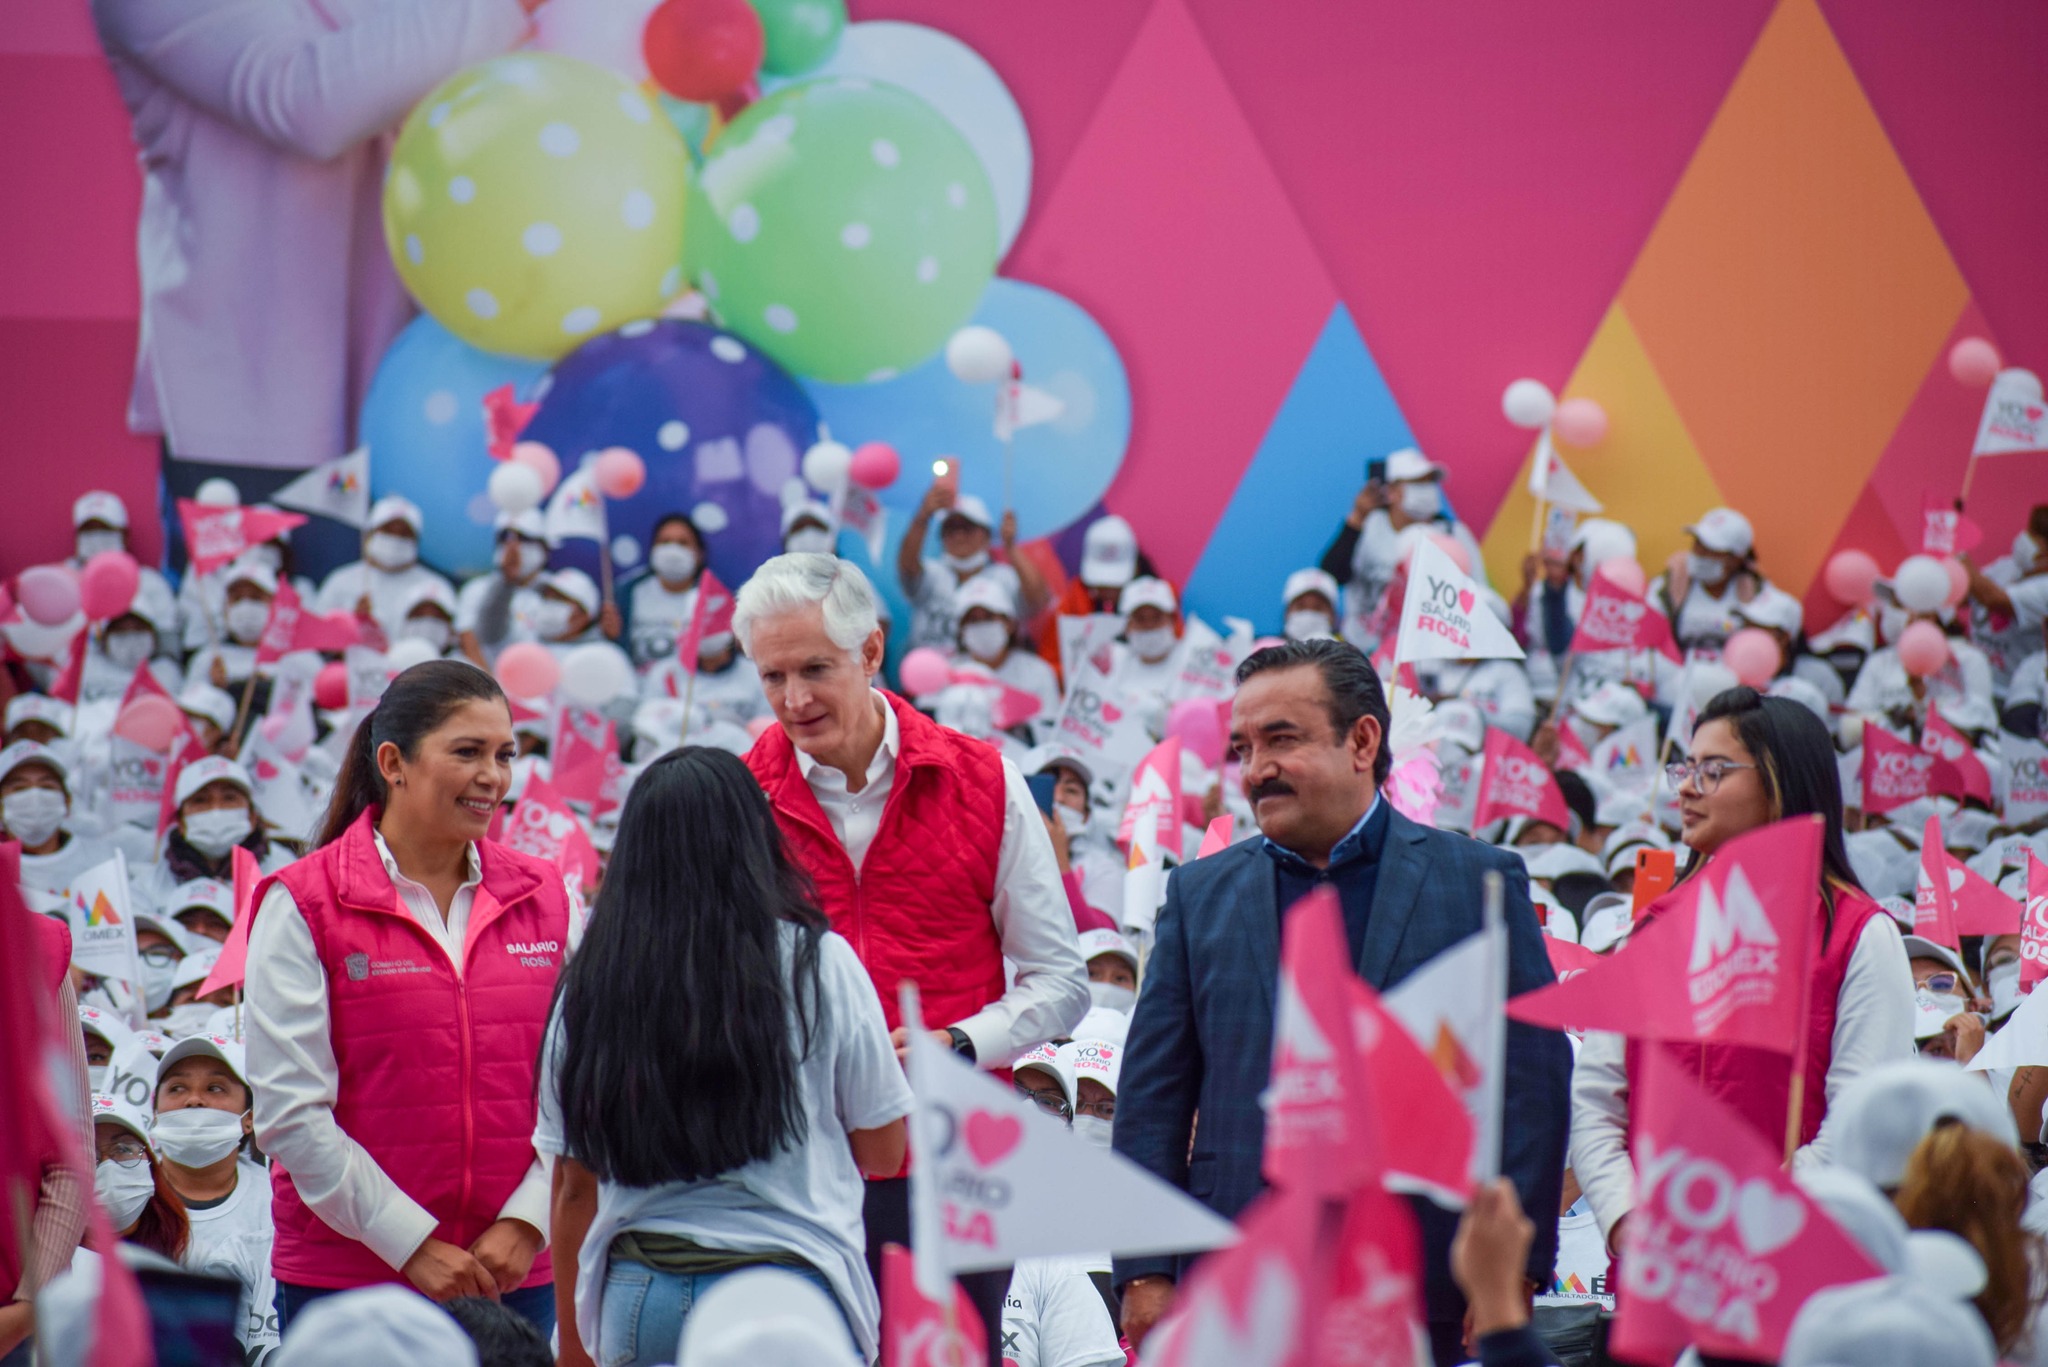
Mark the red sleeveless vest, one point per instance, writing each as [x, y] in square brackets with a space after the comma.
[919, 906]
[437, 1072]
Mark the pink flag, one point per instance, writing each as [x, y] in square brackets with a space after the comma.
[214, 536]
[1216, 838]
[1952, 748]
[1425, 1133]
[504, 419]
[189, 752]
[1013, 706]
[583, 737]
[2034, 926]
[144, 684]
[1568, 958]
[1944, 530]
[1721, 957]
[1895, 773]
[1320, 1136]
[65, 688]
[711, 616]
[542, 825]
[233, 965]
[1513, 782]
[1722, 1247]
[1571, 751]
[1375, 1314]
[292, 628]
[1951, 900]
[1258, 1303]
[1615, 619]
[1152, 815]
[917, 1331]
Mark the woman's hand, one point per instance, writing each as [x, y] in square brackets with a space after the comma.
[507, 1250]
[441, 1271]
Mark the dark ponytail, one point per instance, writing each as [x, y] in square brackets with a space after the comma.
[412, 708]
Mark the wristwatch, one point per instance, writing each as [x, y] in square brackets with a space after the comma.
[962, 1045]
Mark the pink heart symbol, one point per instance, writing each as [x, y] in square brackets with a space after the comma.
[1111, 712]
[1465, 601]
[990, 1137]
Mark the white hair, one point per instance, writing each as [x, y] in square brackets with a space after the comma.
[796, 580]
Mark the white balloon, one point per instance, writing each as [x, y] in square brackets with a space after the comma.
[407, 652]
[514, 487]
[603, 32]
[34, 641]
[596, 673]
[978, 354]
[1528, 403]
[217, 493]
[826, 464]
[2019, 379]
[1921, 583]
[1710, 678]
[955, 80]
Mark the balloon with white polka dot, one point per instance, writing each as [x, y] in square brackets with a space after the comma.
[534, 201]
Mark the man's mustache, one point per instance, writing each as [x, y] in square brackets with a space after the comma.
[1272, 787]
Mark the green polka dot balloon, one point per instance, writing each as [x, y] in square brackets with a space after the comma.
[534, 201]
[843, 227]
[799, 35]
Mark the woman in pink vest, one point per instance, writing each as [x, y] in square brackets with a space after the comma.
[1756, 760]
[399, 979]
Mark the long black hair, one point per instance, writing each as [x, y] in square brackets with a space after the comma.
[412, 708]
[677, 1057]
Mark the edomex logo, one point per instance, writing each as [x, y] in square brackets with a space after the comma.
[1734, 952]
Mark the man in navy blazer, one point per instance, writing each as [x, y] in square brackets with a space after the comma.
[1309, 724]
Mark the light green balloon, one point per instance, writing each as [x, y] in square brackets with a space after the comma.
[801, 34]
[844, 227]
[534, 201]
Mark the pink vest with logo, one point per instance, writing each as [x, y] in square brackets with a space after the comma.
[437, 1072]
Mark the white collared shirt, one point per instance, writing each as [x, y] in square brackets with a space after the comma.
[1049, 994]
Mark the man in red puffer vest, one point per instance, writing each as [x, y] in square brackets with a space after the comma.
[926, 848]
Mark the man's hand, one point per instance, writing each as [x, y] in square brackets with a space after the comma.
[1490, 1258]
[1964, 1033]
[363, 606]
[1370, 499]
[900, 1037]
[1146, 1301]
[937, 499]
[441, 1271]
[17, 1322]
[507, 1250]
[1008, 530]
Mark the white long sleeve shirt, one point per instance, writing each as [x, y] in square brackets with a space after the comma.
[1873, 1026]
[1036, 927]
[295, 1077]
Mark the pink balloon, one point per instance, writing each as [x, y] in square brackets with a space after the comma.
[620, 472]
[151, 721]
[875, 465]
[528, 670]
[1195, 721]
[1958, 580]
[542, 461]
[1974, 362]
[1850, 575]
[49, 594]
[1455, 549]
[1580, 422]
[923, 671]
[1752, 654]
[330, 687]
[1625, 572]
[1922, 648]
[107, 584]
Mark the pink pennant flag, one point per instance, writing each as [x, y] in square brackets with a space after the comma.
[583, 738]
[1722, 1247]
[291, 628]
[1425, 1133]
[214, 536]
[1568, 958]
[1375, 1312]
[1944, 530]
[1259, 1302]
[1571, 751]
[232, 968]
[1616, 619]
[1950, 899]
[542, 825]
[1513, 782]
[711, 616]
[189, 752]
[1216, 838]
[1152, 815]
[145, 684]
[504, 419]
[65, 688]
[1952, 748]
[1320, 1136]
[2034, 926]
[1895, 772]
[916, 1330]
[611, 789]
[1013, 706]
[1721, 957]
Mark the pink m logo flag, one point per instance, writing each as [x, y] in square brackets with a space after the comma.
[1513, 782]
[1720, 957]
[1320, 1136]
[1615, 619]
[1951, 900]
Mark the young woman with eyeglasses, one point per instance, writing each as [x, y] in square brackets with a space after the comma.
[1755, 760]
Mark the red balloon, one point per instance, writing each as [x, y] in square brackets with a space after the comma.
[703, 50]
[330, 687]
[107, 584]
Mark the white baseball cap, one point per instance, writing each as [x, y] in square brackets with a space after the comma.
[1554, 861]
[212, 769]
[986, 592]
[99, 506]
[1605, 921]
[195, 967]
[1603, 539]
[1612, 704]
[1046, 1059]
[202, 699]
[1884, 1114]
[577, 587]
[247, 569]
[434, 591]
[105, 1024]
[1773, 608]
[1619, 852]
[1855, 631]
[1724, 530]
[147, 918]
[1146, 592]
[390, 1324]
[1052, 756]
[34, 752]
[1887, 1322]
[1096, 943]
[1109, 553]
[971, 508]
[1100, 1022]
[529, 524]
[1920, 947]
[1803, 692]
[1309, 581]
[52, 712]
[805, 510]
[210, 893]
[1099, 1059]
[1409, 464]
[394, 508]
[123, 1113]
[228, 1051]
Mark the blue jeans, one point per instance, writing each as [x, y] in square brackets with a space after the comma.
[644, 1310]
[534, 1304]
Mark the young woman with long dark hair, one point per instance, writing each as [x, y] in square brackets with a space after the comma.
[399, 979]
[1755, 760]
[717, 1077]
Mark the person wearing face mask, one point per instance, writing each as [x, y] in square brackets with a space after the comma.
[1546, 613]
[162, 945]
[1961, 690]
[99, 522]
[125, 644]
[1702, 589]
[204, 1122]
[1367, 549]
[209, 711]
[140, 1203]
[2008, 598]
[566, 615]
[1086, 850]
[988, 642]
[1112, 971]
[189, 1013]
[727, 687]
[35, 799]
[40, 718]
[1148, 662]
[247, 586]
[966, 531]
[428, 616]
[215, 811]
[1310, 600]
[1945, 1020]
[660, 602]
[383, 582]
[496, 610]
[203, 909]
[1110, 559]
[808, 529]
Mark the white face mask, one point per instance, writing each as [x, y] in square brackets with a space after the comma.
[216, 832]
[1309, 624]
[128, 649]
[1093, 1129]
[985, 640]
[1704, 570]
[268, 555]
[2024, 553]
[551, 620]
[432, 630]
[967, 564]
[809, 541]
[195, 1136]
[528, 558]
[1071, 821]
[1112, 997]
[91, 544]
[245, 620]
[2003, 982]
[123, 1192]
[1421, 502]
[672, 562]
[188, 1020]
[156, 984]
[32, 815]
[390, 551]
[1947, 1003]
[1152, 646]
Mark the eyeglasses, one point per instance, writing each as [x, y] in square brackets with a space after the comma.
[1052, 1103]
[1940, 983]
[161, 956]
[126, 1153]
[1706, 774]
[1101, 1110]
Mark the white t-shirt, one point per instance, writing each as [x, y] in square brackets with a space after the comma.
[391, 592]
[1581, 1275]
[469, 606]
[233, 1239]
[656, 617]
[1054, 1317]
[1023, 671]
[54, 873]
[806, 1200]
[932, 619]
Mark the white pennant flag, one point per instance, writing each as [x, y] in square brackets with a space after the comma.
[984, 1158]
[102, 917]
[339, 489]
[2015, 417]
[2022, 1042]
[1444, 615]
[577, 508]
[1551, 480]
[1020, 405]
[1455, 1007]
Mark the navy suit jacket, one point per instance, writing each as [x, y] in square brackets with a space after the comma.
[1201, 1038]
